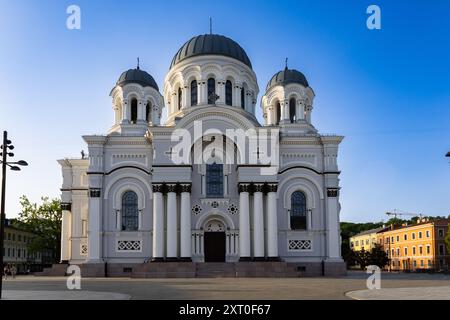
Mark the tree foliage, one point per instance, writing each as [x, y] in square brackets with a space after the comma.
[44, 220]
[376, 256]
[349, 229]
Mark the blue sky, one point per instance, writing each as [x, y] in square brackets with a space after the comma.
[387, 91]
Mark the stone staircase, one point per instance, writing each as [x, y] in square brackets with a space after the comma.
[56, 270]
[165, 270]
[215, 270]
[183, 270]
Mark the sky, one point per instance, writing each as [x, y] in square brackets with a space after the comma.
[387, 91]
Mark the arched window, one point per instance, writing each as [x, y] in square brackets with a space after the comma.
[130, 212]
[292, 116]
[194, 98]
[180, 98]
[243, 98]
[278, 113]
[133, 110]
[148, 111]
[214, 180]
[298, 211]
[228, 93]
[211, 90]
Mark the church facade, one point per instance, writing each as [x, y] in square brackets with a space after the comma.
[210, 183]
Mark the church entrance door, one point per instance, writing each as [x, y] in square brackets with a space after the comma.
[214, 246]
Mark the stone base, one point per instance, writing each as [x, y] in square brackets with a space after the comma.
[57, 270]
[336, 268]
[319, 269]
[93, 270]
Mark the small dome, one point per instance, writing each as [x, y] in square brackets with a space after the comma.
[287, 76]
[137, 76]
[211, 44]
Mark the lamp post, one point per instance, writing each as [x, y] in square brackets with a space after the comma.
[13, 166]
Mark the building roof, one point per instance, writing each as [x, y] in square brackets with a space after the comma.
[137, 76]
[287, 76]
[211, 44]
[438, 222]
[376, 230]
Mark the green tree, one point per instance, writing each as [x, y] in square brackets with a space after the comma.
[447, 239]
[44, 220]
[378, 257]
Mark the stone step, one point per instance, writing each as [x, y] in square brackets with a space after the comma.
[55, 270]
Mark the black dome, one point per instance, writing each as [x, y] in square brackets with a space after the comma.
[211, 44]
[287, 76]
[137, 76]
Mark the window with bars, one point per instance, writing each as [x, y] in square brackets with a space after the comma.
[298, 211]
[214, 180]
[292, 110]
[194, 97]
[133, 110]
[211, 90]
[130, 212]
[228, 93]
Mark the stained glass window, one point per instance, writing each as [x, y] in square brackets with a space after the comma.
[214, 180]
[130, 212]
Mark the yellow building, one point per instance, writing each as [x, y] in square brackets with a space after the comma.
[416, 246]
[365, 240]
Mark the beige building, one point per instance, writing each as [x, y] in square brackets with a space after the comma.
[365, 240]
[16, 248]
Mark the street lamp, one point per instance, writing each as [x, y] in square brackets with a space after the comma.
[13, 166]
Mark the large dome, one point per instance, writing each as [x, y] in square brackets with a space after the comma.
[137, 76]
[287, 76]
[211, 44]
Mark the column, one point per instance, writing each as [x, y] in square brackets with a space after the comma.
[141, 111]
[284, 110]
[95, 226]
[258, 223]
[158, 223]
[333, 228]
[172, 237]
[237, 96]
[308, 113]
[202, 94]
[185, 97]
[118, 220]
[272, 222]
[269, 113]
[221, 92]
[244, 223]
[125, 117]
[66, 231]
[185, 232]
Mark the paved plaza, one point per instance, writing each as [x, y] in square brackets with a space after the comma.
[353, 286]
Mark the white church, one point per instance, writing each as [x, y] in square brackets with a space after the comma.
[209, 191]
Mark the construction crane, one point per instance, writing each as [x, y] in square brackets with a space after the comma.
[396, 213]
